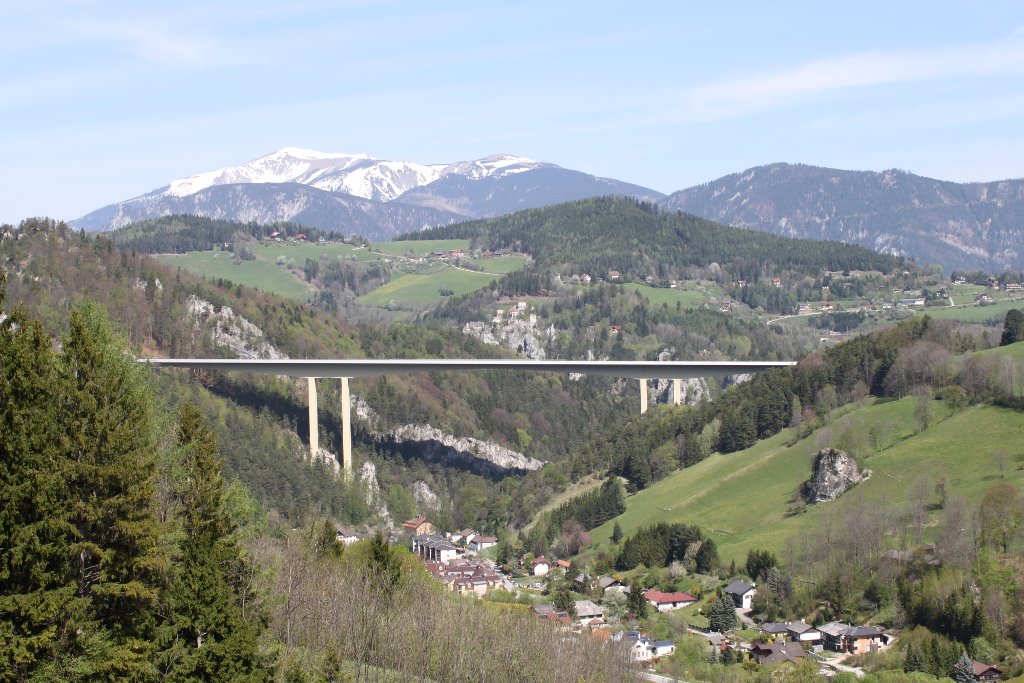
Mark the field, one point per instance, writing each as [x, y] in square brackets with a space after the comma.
[744, 498]
[500, 265]
[263, 275]
[660, 295]
[420, 289]
[300, 252]
[420, 247]
[974, 314]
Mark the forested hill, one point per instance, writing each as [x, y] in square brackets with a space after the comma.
[958, 225]
[162, 312]
[179, 233]
[609, 233]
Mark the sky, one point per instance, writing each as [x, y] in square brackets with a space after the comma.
[102, 101]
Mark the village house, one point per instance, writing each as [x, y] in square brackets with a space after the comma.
[346, 535]
[1014, 287]
[666, 602]
[663, 648]
[781, 652]
[777, 282]
[827, 306]
[741, 283]
[741, 592]
[860, 640]
[434, 547]
[637, 644]
[561, 619]
[540, 566]
[587, 612]
[419, 525]
[960, 280]
[912, 302]
[613, 275]
[985, 672]
[465, 535]
[585, 279]
[773, 630]
[803, 632]
[615, 329]
[479, 543]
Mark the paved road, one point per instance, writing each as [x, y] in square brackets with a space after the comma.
[744, 619]
[660, 679]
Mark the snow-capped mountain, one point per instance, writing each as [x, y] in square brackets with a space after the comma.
[332, 191]
[356, 174]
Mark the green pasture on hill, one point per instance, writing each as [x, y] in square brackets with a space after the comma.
[419, 289]
[501, 266]
[744, 499]
[1014, 351]
[974, 314]
[263, 275]
[300, 251]
[660, 295]
[420, 247]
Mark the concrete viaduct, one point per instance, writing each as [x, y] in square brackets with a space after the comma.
[348, 369]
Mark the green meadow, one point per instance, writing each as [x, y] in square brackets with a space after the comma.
[301, 251]
[745, 499]
[974, 314]
[661, 295]
[419, 289]
[263, 275]
[420, 247]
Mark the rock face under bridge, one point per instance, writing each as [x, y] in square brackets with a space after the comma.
[834, 473]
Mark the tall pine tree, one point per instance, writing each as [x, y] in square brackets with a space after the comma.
[109, 448]
[212, 640]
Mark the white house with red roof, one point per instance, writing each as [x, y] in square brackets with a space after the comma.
[666, 602]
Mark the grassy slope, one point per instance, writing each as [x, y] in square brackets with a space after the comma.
[421, 247]
[974, 314]
[743, 497]
[300, 252]
[264, 275]
[659, 295]
[425, 288]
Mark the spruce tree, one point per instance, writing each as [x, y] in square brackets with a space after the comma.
[723, 615]
[637, 605]
[617, 533]
[37, 585]
[213, 640]
[109, 450]
[1013, 327]
[963, 672]
[707, 557]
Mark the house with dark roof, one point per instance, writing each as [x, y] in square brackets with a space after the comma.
[803, 632]
[666, 602]
[985, 672]
[832, 635]
[860, 640]
[741, 592]
[482, 542]
[782, 652]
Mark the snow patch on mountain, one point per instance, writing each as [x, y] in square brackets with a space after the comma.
[356, 174]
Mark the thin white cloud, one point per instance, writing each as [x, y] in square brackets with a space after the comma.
[743, 95]
[149, 41]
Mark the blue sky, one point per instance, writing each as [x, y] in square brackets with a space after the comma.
[102, 101]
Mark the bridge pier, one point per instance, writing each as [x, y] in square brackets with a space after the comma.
[677, 393]
[643, 396]
[314, 425]
[346, 428]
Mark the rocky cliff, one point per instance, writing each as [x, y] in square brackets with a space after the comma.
[429, 443]
[834, 472]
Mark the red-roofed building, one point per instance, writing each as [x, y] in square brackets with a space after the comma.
[985, 672]
[540, 566]
[419, 525]
[666, 602]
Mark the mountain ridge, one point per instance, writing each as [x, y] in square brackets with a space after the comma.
[956, 225]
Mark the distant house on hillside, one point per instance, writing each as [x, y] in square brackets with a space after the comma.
[585, 279]
[613, 274]
[772, 654]
[666, 602]
[803, 632]
[741, 592]
[777, 282]
[482, 542]
[346, 535]
[615, 329]
[1014, 287]
[587, 612]
[985, 672]
[540, 566]
[419, 525]
[300, 237]
[827, 306]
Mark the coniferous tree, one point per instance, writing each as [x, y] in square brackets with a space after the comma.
[563, 602]
[963, 672]
[637, 605]
[617, 533]
[1013, 327]
[723, 615]
[38, 587]
[213, 640]
[707, 560]
[109, 456]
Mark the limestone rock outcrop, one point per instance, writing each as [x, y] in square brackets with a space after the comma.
[834, 472]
